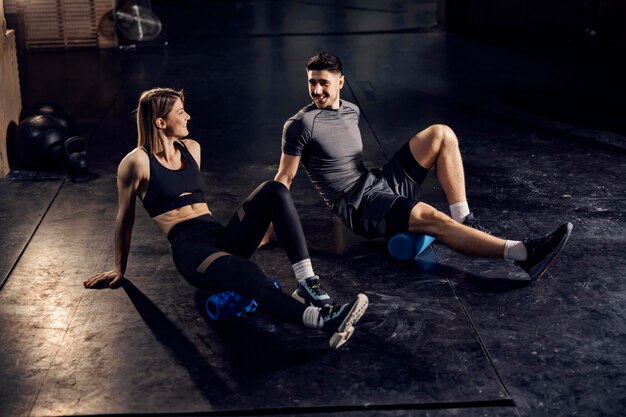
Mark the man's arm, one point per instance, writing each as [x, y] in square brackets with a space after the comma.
[287, 169]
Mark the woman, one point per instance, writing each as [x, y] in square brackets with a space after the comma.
[164, 172]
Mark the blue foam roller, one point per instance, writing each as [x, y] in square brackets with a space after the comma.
[227, 305]
[404, 246]
[230, 304]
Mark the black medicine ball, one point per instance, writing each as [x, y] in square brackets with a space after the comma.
[39, 142]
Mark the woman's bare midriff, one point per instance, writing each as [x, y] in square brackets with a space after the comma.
[171, 218]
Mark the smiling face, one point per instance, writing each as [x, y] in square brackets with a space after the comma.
[174, 124]
[324, 88]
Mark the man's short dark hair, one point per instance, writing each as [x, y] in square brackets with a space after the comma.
[324, 61]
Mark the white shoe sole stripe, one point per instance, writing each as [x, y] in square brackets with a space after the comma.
[346, 328]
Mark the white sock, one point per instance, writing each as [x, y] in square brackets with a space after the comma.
[514, 250]
[311, 318]
[303, 269]
[459, 211]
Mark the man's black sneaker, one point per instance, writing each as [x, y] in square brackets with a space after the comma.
[472, 222]
[544, 250]
[339, 321]
[311, 292]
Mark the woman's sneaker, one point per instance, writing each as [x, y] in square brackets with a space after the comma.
[544, 250]
[311, 292]
[339, 321]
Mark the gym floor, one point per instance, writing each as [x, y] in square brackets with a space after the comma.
[544, 141]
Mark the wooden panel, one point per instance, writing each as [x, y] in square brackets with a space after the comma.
[3, 23]
[12, 6]
[104, 23]
[51, 24]
[10, 99]
[63, 23]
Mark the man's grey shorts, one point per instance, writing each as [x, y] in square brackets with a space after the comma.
[364, 207]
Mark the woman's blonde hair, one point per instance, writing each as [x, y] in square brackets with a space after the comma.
[153, 104]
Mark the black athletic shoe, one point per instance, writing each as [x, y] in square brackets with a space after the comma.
[312, 293]
[339, 321]
[472, 222]
[544, 250]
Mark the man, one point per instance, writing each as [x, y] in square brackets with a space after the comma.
[324, 136]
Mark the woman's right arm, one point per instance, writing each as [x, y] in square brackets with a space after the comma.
[128, 179]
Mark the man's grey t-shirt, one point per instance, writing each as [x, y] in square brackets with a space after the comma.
[329, 143]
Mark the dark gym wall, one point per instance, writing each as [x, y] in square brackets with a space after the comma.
[601, 22]
[586, 39]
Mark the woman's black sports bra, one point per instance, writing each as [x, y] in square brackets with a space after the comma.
[169, 189]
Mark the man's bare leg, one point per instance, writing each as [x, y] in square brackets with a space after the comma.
[438, 145]
[425, 219]
[532, 255]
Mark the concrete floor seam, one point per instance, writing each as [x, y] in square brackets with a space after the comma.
[30, 238]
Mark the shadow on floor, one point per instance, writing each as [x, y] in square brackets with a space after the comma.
[261, 343]
[252, 344]
[429, 263]
[184, 351]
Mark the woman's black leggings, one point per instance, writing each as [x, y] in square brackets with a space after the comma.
[215, 258]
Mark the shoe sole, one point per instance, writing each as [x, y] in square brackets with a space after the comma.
[346, 328]
[543, 266]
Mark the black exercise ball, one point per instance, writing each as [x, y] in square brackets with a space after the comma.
[39, 142]
[58, 112]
